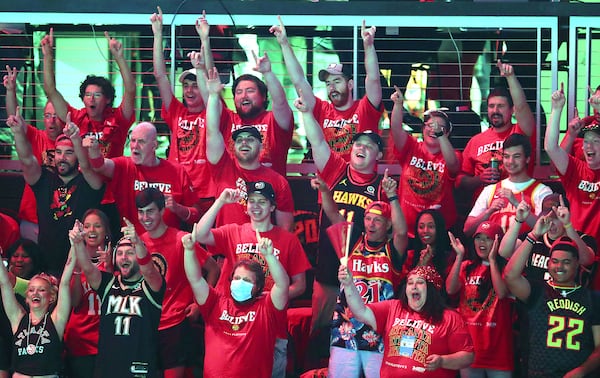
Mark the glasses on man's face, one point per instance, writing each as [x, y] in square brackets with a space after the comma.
[50, 116]
[93, 94]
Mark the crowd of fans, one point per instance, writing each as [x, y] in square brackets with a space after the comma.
[185, 266]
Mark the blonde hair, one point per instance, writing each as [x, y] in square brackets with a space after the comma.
[52, 281]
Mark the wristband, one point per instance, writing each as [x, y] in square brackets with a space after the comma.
[439, 134]
[144, 260]
[519, 221]
[189, 214]
[568, 225]
[392, 198]
[97, 162]
[530, 239]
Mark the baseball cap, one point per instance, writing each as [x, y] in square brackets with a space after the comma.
[184, 75]
[490, 229]
[334, 69]
[247, 129]
[565, 244]
[376, 138]
[263, 188]
[63, 139]
[379, 208]
[594, 126]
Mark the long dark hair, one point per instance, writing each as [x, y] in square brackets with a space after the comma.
[433, 309]
[441, 245]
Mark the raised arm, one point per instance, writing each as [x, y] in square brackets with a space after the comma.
[202, 229]
[10, 83]
[399, 227]
[496, 272]
[573, 129]
[281, 281]
[330, 208]
[203, 30]
[55, 97]
[586, 253]
[355, 302]
[193, 271]
[372, 80]
[158, 59]
[128, 102]
[197, 61]
[151, 274]
[521, 108]
[279, 103]
[31, 167]
[559, 157]
[314, 134]
[399, 135]
[510, 241]
[61, 312]
[453, 284]
[215, 144]
[91, 271]
[516, 283]
[295, 71]
[72, 131]
[13, 309]
[99, 164]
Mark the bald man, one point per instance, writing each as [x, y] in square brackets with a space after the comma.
[130, 175]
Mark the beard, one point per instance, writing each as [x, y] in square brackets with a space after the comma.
[253, 112]
[496, 122]
[338, 98]
[68, 171]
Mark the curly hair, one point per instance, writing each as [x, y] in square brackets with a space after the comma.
[107, 88]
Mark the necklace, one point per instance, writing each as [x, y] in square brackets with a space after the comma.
[30, 347]
[563, 290]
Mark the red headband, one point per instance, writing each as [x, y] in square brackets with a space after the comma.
[429, 273]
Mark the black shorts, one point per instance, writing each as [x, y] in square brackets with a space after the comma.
[178, 346]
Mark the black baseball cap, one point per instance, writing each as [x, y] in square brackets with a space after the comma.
[247, 129]
[376, 138]
[263, 188]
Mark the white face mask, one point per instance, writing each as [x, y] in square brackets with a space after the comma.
[241, 290]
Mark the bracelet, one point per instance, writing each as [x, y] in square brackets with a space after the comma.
[519, 221]
[97, 162]
[530, 239]
[568, 225]
[392, 198]
[189, 214]
[144, 260]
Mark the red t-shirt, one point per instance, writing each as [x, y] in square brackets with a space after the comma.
[188, 145]
[276, 141]
[481, 147]
[425, 183]
[81, 332]
[9, 231]
[238, 242]
[130, 179]
[228, 174]
[240, 338]
[167, 252]
[409, 339]
[111, 133]
[43, 150]
[339, 126]
[582, 187]
[489, 321]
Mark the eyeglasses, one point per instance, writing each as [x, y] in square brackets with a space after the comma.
[93, 94]
[50, 116]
